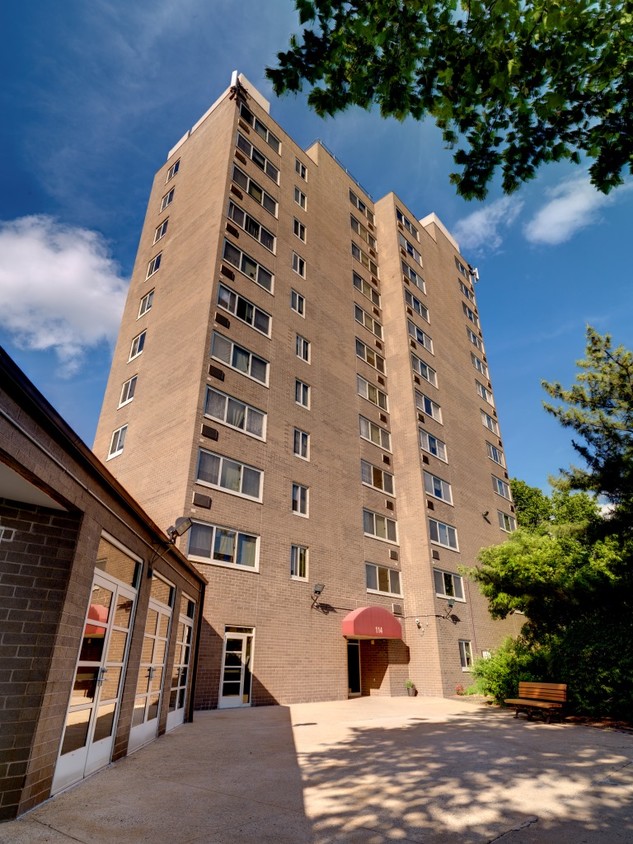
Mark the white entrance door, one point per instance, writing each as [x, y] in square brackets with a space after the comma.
[93, 709]
[151, 676]
[182, 662]
[235, 680]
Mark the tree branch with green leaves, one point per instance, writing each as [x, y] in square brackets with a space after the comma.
[512, 84]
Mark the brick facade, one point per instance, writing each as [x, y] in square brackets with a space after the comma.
[57, 503]
[253, 222]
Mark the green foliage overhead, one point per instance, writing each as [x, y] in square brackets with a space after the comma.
[511, 83]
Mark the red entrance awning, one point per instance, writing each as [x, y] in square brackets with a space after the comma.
[371, 623]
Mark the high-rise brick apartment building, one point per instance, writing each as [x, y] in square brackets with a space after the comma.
[302, 372]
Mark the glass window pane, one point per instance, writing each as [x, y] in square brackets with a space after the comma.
[231, 475]
[240, 359]
[200, 540]
[250, 482]
[372, 582]
[221, 348]
[208, 468]
[216, 404]
[246, 550]
[224, 546]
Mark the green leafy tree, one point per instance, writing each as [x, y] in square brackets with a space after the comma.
[571, 571]
[599, 409]
[516, 82]
[533, 507]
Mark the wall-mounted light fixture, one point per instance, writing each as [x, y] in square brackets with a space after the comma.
[180, 526]
[317, 591]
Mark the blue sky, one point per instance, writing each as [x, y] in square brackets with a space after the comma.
[94, 96]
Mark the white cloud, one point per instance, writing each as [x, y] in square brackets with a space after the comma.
[574, 204]
[483, 227]
[59, 288]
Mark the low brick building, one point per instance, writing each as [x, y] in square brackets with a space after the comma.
[98, 609]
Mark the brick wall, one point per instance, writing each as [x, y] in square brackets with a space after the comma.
[36, 554]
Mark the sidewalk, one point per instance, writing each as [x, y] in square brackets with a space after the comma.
[371, 770]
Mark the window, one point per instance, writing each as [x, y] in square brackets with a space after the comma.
[378, 478]
[428, 406]
[375, 434]
[369, 356]
[299, 230]
[138, 344]
[239, 358]
[485, 393]
[383, 580]
[489, 422]
[437, 488]
[448, 585]
[298, 265]
[479, 365]
[495, 454]
[297, 303]
[362, 231]
[420, 336]
[247, 265]
[127, 391]
[465, 654]
[301, 170]
[301, 199]
[302, 393]
[368, 321]
[236, 414]
[300, 499]
[244, 310]
[154, 265]
[413, 276]
[117, 442]
[220, 472]
[468, 293]
[298, 562]
[161, 230]
[301, 444]
[366, 289]
[364, 259]
[258, 158]
[252, 226]
[262, 130]
[371, 393]
[302, 348]
[506, 522]
[474, 339]
[461, 268]
[431, 444]
[411, 251]
[146, 303]
[443, 534]
[175, 167]
[225, 546]
[358, 203]
[255, 191]
[424, 370]
[416, 305]
[167, 199]
[470, 314]
[379, 526]
[408, 225]
[501, 487]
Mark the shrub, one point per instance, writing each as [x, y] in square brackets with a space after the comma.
[516, 659]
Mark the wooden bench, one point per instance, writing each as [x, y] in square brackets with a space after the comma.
[544, 697]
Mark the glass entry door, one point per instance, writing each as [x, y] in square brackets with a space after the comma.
[235, 681]
[353, 668]
[93, 709]
[182, 662]
[149, 686]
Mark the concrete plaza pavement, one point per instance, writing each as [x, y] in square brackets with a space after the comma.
[370, 770]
